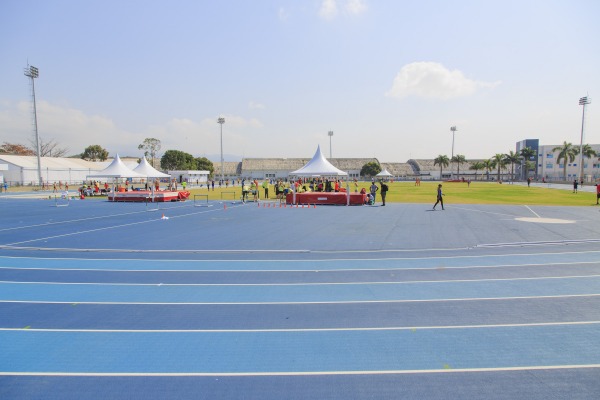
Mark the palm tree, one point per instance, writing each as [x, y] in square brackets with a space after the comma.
[527, 154]
[512, 158]
[498, 160]
[567, 153]
[488, 165]
[458, 159]
[477, 166]
[588, 152]
[442, 161]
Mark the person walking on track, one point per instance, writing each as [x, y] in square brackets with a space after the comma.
[439, 197]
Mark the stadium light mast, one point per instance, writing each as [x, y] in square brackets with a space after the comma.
[32, 73]
[584, 101]
[221, 121]
[453, 130]
[330, 133]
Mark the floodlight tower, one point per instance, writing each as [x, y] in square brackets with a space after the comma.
[221, 121]
[584, 101]
[330, 133]
[453, 130]
[32, 73]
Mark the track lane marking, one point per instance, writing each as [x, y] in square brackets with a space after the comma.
[365, 329]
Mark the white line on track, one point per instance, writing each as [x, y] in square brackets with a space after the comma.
[304, 302]
[321, 260]
[367, 329]
[8, 245]
[305, 373]
[392, 269]
[301, 283]
[82, 219]
[534, 213]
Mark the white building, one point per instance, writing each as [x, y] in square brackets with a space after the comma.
[549, 168]
[23, 170]
[190, 176]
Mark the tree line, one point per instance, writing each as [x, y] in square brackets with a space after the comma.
[179, 160]
[526, 157]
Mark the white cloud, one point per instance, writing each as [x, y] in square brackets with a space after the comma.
[75, 130]
[356, 6]
[256, 106]
[283, 14]
[433, 80]
[329, 9]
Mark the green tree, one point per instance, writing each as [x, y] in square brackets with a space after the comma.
[371, 168]
[95, 152]
[498, 160]
[527, 154]
[459, 159]
[567, 153]
[488, 165]
[477, 166]
[150, 146]
[588, 152]
[177, 160]
[204, 164]
[512, 158]
[442, 161]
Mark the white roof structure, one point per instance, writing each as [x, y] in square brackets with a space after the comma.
[318, 166]
[147, 170]
[384, 173]
[116, 169]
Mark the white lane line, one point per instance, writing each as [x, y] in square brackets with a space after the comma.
[255, 260]
[365, 329]
[81, 219]
[391, 269]
[534, 213]
[301, 283]
[9, 245]
[254, 303]
[484, 212]
[305, 373]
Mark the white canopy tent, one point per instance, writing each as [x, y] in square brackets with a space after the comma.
[116, 169]
[147, 170]
[318, 166]
[384, 174]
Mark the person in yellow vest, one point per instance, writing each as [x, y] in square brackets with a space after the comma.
[265, 186]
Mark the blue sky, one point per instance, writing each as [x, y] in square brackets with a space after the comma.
[388, 77]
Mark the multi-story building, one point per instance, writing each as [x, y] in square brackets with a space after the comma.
[545, 164]
[551, 170]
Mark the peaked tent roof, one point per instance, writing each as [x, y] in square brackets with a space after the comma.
[318, 166]
[116, 169]
[148, 170]
[385, 172]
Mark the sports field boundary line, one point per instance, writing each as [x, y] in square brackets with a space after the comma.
[253, 303]
[303, 373]
[437, 268]
[253, 251]
[379, 283]
[272, 330]
[539, 243]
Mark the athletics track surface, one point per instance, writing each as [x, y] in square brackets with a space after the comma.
[102, 300]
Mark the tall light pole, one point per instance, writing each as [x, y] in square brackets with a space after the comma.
[221, 121]
[453, 130]
[330, 133]
[32, 73]
[584, 101]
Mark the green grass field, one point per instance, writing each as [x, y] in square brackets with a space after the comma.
[454, 193]
[460, 193]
